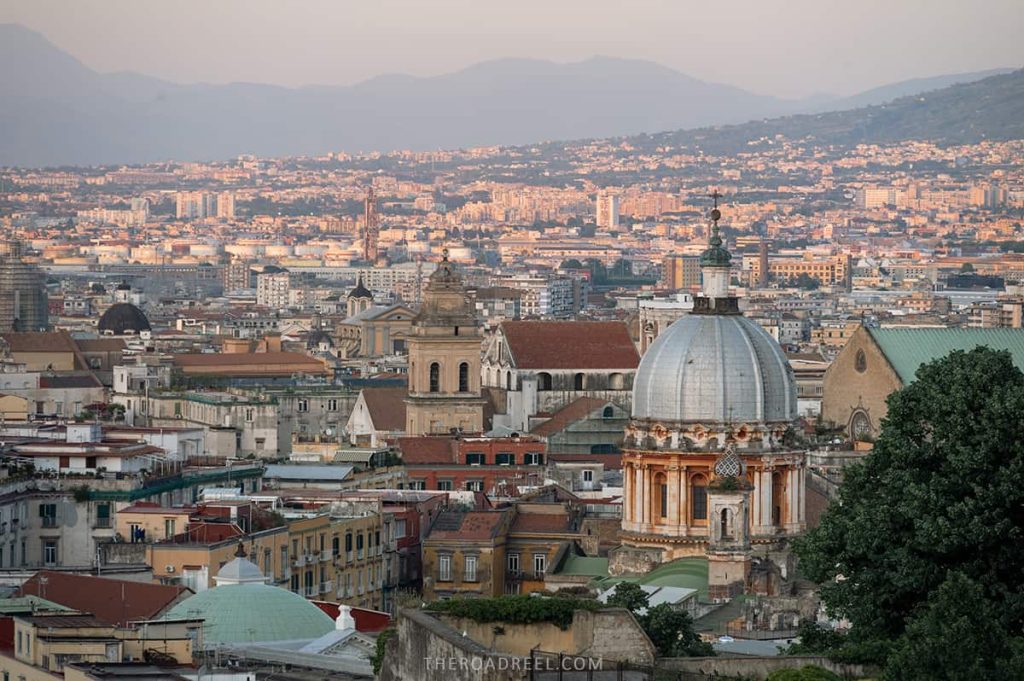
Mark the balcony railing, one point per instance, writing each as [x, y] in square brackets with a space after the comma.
[327, 587]
[326, 556]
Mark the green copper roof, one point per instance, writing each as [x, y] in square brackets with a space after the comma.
[908, 349]
[24, 604]
[716, 255]
[251, 613]
[688, 573]
[586, 566]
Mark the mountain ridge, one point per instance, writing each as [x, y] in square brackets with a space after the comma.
[57, 111]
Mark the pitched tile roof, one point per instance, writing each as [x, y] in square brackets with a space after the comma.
[386, 407]
[467, 525]
[542, 523]
[257, 363]
[101, 344]
[577, 410]
[570, 345]
[114, 601]
[426, 449]
[70, 381]
[40, 341]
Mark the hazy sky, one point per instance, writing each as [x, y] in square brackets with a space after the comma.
[782, 47]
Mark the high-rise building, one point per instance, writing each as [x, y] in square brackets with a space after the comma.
[226, 205]
[237, 275]
[371, 228]
[23, 301]
[681, 272]
[607, 212]
[273, 288]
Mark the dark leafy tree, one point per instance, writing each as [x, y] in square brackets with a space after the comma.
[629, 595]
[940, 493]
[958, 636]
[671, 632]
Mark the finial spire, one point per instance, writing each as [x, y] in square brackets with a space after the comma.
[240, 551]
[444, 254]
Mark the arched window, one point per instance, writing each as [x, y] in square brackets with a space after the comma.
[464, 378]
[435, 377]
[609, 412]
[543, 381]
[726, 529]
[577, 382]
[699, 497]
[617, 381]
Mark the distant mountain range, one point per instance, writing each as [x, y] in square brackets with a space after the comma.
[56, 111]
[967, 113]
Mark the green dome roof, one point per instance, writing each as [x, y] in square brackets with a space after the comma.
[253, 613]
[715, 255]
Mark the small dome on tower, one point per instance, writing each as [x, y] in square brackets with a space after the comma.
[360, 291]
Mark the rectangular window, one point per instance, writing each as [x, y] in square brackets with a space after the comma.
[700, 502]
[470, 571]
[533, 458]
[540, 563]
[50, 553]
[332, 405]
[664, 501]
[588, 476]
[302, 405]
[249, 415]
[474, 485]
[399, 528]
[48, 515]
[444, 568]
[475, 459]
[505, 458]
[444, 485]
[513, 562]
[168, 528]
[103, 515]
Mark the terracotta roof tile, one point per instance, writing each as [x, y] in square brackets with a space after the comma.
[570, 345]
[428, 450]
[386, 407]
[544, 523]
[42, 341]
[468, 526]
[114, 601]
[577, 410]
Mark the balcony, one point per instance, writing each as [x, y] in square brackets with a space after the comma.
[326, 556]
[103, 524]
[49, 521]
[327, 587]
[310, 592]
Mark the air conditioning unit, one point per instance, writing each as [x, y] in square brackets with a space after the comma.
[170, 569]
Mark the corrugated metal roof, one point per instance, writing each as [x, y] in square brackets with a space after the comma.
[908, 349]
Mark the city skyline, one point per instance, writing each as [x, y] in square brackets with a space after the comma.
[739, 43]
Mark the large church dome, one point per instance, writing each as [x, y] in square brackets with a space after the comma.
[714, 368]
[123, 318]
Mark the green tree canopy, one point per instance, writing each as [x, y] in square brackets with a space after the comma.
[939, 494]
[629, 595]
[808, 673]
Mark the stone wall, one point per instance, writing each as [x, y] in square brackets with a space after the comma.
[611, 634]
[429, 649]
[426, 649]
[755, 668]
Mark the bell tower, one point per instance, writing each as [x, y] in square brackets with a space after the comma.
[444, 360]
[729, 541]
